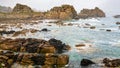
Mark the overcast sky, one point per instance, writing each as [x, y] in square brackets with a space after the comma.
[111, 7]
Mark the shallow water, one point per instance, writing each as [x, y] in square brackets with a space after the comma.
[103, 43]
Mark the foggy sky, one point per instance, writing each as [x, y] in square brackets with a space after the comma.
[110, 7]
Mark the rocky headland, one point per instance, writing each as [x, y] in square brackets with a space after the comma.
[91, 13]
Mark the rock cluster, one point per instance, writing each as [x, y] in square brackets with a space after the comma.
[8, 58]
[34, 45]
[33, 52]
[111, 63]
[88, 13]
[19, 8]
[63, 12]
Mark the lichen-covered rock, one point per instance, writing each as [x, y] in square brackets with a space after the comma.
[63, 12]
[19, 8]
[88, 13]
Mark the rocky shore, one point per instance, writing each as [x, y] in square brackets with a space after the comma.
[33, 52]
[51, 53]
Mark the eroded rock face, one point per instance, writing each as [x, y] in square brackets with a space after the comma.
[63, 12]
[111, 63]
[19, 8]
[88, 13]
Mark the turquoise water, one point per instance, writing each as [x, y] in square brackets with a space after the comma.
[103, 43]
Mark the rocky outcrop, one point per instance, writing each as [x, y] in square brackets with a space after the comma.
[34, 45]
[19, 8]
[8, 58]
[33, 52]
[88, 13]
[111, 63]
[63, 12]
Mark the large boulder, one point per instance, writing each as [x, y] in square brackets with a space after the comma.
[62, 12]
[19, 8]
[88, 13]
[86, 62]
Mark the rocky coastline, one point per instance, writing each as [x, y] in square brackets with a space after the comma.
[41, 53]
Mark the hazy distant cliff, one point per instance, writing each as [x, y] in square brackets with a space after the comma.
[5, 9]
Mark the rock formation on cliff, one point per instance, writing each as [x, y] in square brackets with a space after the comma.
[62, 12]
[88, 13]
[19, 8]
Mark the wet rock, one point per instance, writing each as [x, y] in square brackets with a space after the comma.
[111, 63]
[108, 30]
[88, 13]
[70, 24]
[80, 45]
[60, 47]
[92, 27]
[6, 32]
[117, 16]
[118, 23]
[33, 30]
[86, 62]
[45, 30]
[19, 8]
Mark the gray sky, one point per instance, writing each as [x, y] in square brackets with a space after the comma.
[111, 7]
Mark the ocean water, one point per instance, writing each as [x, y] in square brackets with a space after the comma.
[99, 42]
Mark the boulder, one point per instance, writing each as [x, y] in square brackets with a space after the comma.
[19, 8]
[88, 13]
[92, 27]
[64, 12]
[60, 47]
[45, 30]
[111, 63]
[117, 16]
[118, 23]
[86, 62]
